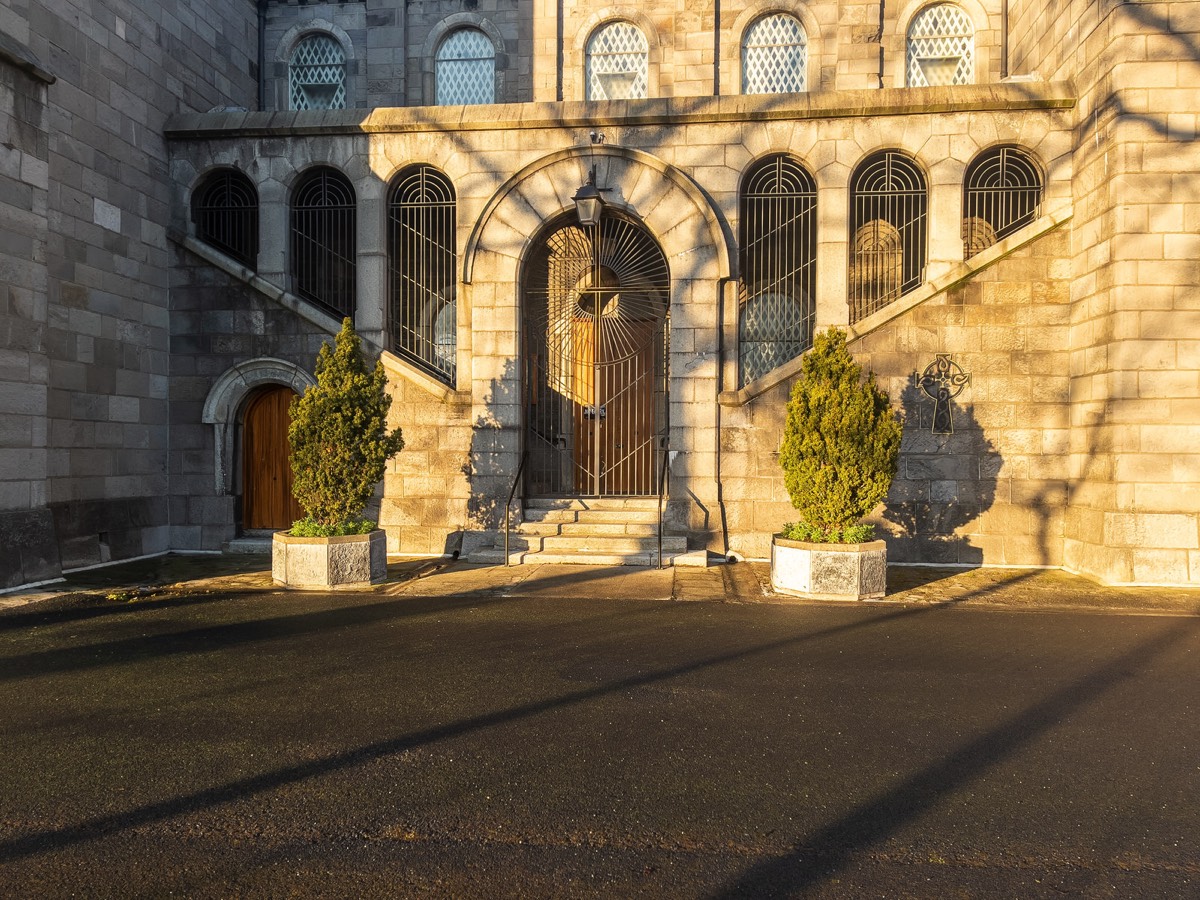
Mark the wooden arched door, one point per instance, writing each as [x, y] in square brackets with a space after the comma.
[267, 500]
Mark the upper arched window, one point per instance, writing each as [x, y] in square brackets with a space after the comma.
[225, 210]
[466, 69]
[422, 309]
[778, 265]
[1002, 192]
[888, 205]
[617, 62]
[317, 73]
[774, 56]
[941, 47]
[323, 240]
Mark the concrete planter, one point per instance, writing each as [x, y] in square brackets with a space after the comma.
[829, 571]
[333, 563]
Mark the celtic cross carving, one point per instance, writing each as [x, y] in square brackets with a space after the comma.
[942, 381]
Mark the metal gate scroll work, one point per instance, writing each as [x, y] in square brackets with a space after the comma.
[595, 308]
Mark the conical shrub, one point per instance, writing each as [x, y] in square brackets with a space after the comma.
[339, 437]
[841, 442]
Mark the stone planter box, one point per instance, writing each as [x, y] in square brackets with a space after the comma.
[829, 571]
[333, 563]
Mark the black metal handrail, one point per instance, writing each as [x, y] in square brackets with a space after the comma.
[664, 476]
[508, 503]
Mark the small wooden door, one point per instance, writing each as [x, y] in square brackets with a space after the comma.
[267, 500]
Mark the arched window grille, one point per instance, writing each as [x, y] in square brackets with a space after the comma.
[466, 69]
[317, 74]
[1001, 193]
[225, 210]
[617, 62]
[888, 208]
[323, 242]
[774, 56]
[778, 263]
[941, 47]
[422, 319]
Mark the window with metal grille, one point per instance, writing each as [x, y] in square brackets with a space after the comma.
[941, 47]
[774, 56]
[888, 208]
[778, 264]
[317, 74]
[466, 69]
[617, 62]
[225, 210]
[422, 314]
[1001, 193]
[323, 243]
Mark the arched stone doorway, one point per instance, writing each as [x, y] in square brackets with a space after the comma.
[595, 331]
[267, 501]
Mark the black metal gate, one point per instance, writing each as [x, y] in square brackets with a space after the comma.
[595, 381]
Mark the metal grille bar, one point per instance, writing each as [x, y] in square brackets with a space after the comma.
[778, 264]
[1002, 192]
[225, 210]
[423, 309]
[324, 241]
[596, 336]
[888, 218]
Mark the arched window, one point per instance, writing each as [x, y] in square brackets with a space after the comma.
[778, 263]
[1001, 193]
[225, 210]
[466, 69]
[617, 61]
[941, 47]
[323, 243]
[422, 316]
[774, 56]
[888, 205]
[317, 73]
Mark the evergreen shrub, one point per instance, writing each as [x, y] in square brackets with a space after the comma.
[340, 441]
[841, 445]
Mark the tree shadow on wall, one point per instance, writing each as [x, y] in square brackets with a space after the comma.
[945, 482]
[494, 455]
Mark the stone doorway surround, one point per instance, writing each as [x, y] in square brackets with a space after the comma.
[226, 400]
[699, 249]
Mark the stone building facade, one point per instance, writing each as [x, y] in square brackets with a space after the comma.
[1069, 440]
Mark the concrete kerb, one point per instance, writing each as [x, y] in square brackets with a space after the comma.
[179, 576]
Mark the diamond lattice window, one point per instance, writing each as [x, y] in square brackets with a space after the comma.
[318, 74]
[778, 264]
[422, 311]
[617, 61]
[774, 56]
[941, 47]
[466, 69]
[1002, 192]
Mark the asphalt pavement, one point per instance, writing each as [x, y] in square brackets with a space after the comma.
[178, 727]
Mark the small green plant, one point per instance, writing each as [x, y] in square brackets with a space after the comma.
[340, 440]
[841, 445]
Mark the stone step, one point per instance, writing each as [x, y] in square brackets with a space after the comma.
[640, 529]
[600, 503]
[599, 516]
[534, 543]
[581, 557]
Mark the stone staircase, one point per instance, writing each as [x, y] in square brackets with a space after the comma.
[609, 531]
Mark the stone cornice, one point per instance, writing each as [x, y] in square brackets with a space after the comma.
[1003, 97]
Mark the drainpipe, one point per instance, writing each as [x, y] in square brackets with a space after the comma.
[722, 283]
[262, 55]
